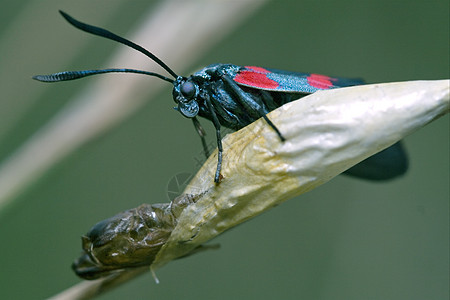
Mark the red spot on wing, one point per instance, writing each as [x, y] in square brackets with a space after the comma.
[255, 77]
[257, 69]
[320, 81]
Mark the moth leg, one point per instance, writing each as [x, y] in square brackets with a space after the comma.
[201, 132]
[250, 104]
[218, 135]
[266, 97]
[282, 138]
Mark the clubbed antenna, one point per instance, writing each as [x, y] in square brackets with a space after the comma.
[71, 75]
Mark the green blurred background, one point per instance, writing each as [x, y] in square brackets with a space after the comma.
[348, 239]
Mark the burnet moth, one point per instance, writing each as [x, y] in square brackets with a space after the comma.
[235, 96]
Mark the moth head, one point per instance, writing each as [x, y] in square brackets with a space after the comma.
[185, 92]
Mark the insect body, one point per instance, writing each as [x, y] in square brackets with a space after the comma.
[228, 95]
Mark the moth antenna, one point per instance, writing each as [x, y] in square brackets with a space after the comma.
[109, 35]
[72, 75]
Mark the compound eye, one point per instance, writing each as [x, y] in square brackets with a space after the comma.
[188, 90]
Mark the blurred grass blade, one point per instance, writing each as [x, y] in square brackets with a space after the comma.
[20, 41]
[108, 100]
